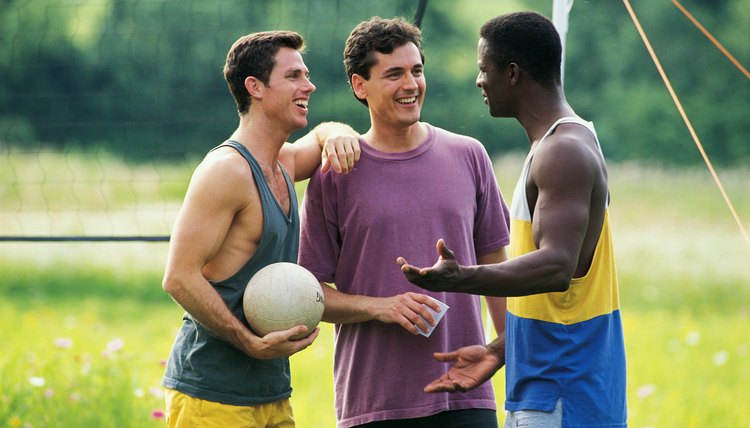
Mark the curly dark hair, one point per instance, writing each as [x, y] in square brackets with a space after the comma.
[527, 39]
[253, 55]
[377, 35]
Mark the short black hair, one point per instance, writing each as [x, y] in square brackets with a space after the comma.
[527, 39]
[377, 35]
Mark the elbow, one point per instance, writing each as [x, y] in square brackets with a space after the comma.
[560, 285]
[171, 284]
[561, 279]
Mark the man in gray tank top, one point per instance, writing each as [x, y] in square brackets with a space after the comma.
[239, 215]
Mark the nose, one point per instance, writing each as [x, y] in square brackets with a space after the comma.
[479, 80]
[310, 86]
[410, 81]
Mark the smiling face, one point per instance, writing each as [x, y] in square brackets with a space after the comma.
[492, 81]
[288, 91]
[396, 88]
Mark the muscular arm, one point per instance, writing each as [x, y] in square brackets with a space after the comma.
[335, 145]
[207, 213]
[564, 173]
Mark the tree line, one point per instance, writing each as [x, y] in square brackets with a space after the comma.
[143, 78]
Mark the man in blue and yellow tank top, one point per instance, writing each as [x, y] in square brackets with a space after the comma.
[563, 347]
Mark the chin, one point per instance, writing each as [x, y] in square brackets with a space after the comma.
[301, 124]
[495, 112]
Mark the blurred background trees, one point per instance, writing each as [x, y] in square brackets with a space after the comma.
[143, 78]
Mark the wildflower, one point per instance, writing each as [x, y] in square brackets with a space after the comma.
[156, 391]
[64, 342]
[646, 390]
[157, 414]
[115, 345]
[75, 397]
[139, 392]
[721, 358]
[15, 421]
[37, 381]
[49, 393]
[693, 338]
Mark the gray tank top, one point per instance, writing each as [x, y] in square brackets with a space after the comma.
[204, 366]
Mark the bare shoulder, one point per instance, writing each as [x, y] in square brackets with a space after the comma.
[571, 149]
[568, 156]
[220, 174]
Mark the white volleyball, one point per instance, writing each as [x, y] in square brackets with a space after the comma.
[283, 295]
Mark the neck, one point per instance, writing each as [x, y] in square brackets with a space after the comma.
[261, 138]
[396, 139]
[540, 109]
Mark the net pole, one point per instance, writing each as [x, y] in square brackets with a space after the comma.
[560, 12]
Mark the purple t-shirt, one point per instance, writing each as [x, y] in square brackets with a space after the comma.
[354, 227]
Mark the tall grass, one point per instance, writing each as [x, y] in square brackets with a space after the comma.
[85, 327]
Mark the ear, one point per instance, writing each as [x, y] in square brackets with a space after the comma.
[359, 86]
[254, 87]
[513, 73]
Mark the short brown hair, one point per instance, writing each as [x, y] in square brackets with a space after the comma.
[253, 55]
[377, 35]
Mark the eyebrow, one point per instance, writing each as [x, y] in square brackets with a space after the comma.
[296, 71]
[395, 68]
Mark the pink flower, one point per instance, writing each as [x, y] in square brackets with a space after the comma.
[646, 390]
[64, 342]
[115, 345]
[157, 414]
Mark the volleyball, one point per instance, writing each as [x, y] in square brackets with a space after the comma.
[280, 296]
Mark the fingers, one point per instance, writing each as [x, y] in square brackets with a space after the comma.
[445, 357]
[340, 153]
[443, 250]
[409, 270]
[416, 314]
[444, 384]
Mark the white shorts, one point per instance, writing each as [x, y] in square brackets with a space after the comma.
[535, 418]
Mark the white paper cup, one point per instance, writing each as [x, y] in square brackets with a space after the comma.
[437, 315]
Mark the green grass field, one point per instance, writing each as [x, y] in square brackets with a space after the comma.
[86, 328]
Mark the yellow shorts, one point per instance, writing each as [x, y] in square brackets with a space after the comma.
[186, 411]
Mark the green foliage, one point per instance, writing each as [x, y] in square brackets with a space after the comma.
[144, 78]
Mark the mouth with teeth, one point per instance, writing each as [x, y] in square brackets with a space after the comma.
[408, 100]
[300, 103]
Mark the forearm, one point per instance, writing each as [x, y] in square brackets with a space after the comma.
[342, 308]
[497, 308]
[497, 348]
[309, 148]
[198, 298]
[532, 273]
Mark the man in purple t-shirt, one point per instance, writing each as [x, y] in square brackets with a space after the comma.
[413, 183]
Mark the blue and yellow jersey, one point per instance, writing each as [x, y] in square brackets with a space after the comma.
[566, 345]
